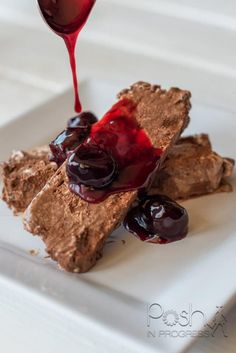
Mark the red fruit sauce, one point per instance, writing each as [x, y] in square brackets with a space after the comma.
[67, 18]
[119, 134]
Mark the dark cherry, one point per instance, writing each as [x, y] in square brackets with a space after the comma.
[83, 120]
[91, 166]
[64, 143]
[157, 219]
[78, 129]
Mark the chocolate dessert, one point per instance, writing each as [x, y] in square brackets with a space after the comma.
[98, 171]
[193, 169]
[24, 175]
[183, 175]
[75, 230]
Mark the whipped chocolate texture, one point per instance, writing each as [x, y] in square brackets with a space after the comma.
[193, 169]
[24, 175]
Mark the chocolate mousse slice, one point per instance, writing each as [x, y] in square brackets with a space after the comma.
[24, 175]
[192, 169]
[74, 230]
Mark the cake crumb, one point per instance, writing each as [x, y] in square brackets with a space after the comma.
[34, 252]
[76, 270]
[60, 268]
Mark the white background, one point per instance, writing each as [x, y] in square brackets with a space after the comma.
[193, 40]
[187, 37]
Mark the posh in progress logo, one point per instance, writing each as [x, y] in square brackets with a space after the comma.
[168, 322]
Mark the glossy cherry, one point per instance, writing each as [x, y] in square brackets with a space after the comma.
[78, 129]
[91, 166]
[64, 143]
[82, 120]
[158, 219]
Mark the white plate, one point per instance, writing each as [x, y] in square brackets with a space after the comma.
[106, 309]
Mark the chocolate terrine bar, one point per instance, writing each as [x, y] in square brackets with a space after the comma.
[74, 230]
[191, 169]
[24, 175]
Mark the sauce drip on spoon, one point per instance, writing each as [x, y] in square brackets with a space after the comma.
[67, 18]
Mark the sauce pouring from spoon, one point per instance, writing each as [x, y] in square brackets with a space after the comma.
[67, 18]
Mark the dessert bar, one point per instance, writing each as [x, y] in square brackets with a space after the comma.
[24, 175]
[74, 230]
[191, 169]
